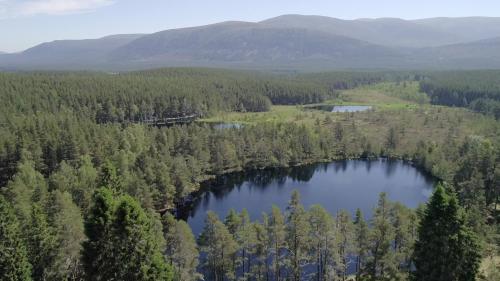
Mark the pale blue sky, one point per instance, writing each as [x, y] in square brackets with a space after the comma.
[24, 23]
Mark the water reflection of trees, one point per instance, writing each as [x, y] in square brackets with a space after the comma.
[221, 186]
[259, 180]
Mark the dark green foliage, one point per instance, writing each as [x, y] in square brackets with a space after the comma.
[122, 243]
[478, 90]
[41, 244]
[446, 248]
[297, 236]
[361, 242]
[14, 265]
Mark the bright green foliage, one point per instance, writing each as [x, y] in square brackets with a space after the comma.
[122, 241]
[14, 265]
[382, 264]
[277, 236]
[361, 243]
[345, 242]
[219, 246]
[181, 249]
[41, 244]
[297, 236]
[259, 268]
[245, 237]
[232, 222]
[27, 186]
[405, 223]
[322, 241]
[109, 178]
[446, 249]
[67, 222]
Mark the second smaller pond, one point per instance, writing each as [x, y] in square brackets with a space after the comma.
[343, 108]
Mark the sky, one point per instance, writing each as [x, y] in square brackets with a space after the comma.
[25, 23]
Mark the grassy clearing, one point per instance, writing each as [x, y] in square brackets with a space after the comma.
[392, 109]
[400, 106]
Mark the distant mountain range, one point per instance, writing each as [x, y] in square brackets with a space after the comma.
[285, 42]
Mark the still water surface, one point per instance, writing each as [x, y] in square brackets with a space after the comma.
[338, 185]
[342, 108]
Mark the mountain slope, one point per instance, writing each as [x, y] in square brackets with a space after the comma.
[469, 28]
[249, 42]
[384, 31]
[478, 54]
[62, 53]
[286, 42]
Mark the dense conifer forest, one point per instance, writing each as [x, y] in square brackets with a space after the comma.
[89, 187]
[478, 90]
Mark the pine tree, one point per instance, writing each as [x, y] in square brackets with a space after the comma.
[297, 229]
[26, 186]
[322, 240]
[277, 234]
[67, 222]
[446, 248]
[219, 247]
[98, 232]
[14, 264]
[232, 222]
[382, 265]
[260, 269]
[361, 235]
[345, 243]
[136, 248]
[123, 243]
[181, 249]
[245, 237]
[41, 243]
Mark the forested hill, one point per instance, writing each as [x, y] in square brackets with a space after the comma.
[291, 42]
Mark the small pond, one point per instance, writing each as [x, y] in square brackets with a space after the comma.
[342, 108]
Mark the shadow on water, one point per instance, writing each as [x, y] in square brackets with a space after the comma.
[347, 184]
[337, 185]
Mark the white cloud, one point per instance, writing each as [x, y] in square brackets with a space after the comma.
[16, 8]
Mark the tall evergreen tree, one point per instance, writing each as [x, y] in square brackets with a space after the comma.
[181, 249]
[14, 264]
[41, 244]
[277, 233]
[297, 229]
[446, 248]
[98, 232]
[66, 220]
[361, 236]
[122, 241]
[245, 237]
[322, 240]
[345, 245]
[382, 265]
[219, 247]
